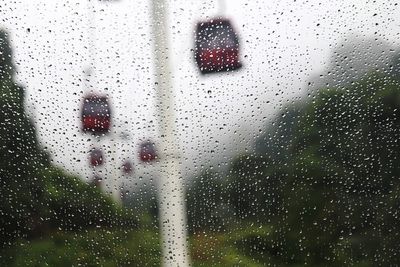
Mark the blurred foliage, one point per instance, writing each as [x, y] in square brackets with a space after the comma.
[49, 218]
[98, 247]
[73, 205]
[21, 188]
[244, 245]
[204, 203]
[342, 175]
[323, 177]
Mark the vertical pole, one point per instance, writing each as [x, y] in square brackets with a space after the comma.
[90, 44]
[88, 71]
[172, 212]
[114, 183]
[222, 7]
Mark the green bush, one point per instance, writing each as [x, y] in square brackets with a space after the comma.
[98, 247]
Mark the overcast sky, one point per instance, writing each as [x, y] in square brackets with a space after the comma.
[283, 44]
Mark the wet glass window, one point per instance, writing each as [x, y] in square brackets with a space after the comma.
[199, 133]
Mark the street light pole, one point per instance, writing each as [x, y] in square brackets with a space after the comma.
[172, 212]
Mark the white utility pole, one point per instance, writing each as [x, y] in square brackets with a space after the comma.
[111, 184]
[115, 172]
[171, 197]
[115, 183]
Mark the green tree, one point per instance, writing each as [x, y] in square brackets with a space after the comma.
[255, 183]
[342, 176]
[20, 157]
[205, 203]
[35, 197]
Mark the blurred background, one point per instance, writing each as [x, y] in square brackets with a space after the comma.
[285, 119]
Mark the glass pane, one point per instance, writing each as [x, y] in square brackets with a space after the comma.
[199, 133]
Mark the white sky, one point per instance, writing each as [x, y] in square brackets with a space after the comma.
[283, 43]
